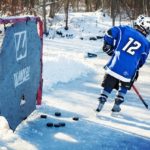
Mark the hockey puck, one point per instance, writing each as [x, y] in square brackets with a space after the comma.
[24, 118]
[43, 116]
[56, 125]
[49, 124]
[62, 124]
[75, 118]
[58, 114]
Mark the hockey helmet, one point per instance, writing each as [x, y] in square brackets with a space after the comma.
[143, 23]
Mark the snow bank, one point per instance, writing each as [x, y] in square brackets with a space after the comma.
[63, 69]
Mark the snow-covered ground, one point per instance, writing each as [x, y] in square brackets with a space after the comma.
[72, 86]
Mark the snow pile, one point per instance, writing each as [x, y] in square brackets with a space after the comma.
[81, 25]
[63, 69]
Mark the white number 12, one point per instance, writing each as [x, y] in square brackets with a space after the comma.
[131, 49]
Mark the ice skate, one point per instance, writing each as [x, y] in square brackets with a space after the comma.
[102, 101]
[116, 108]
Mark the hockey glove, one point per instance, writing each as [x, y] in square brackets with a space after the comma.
[133, 79]
[136, 75]
[108, 49]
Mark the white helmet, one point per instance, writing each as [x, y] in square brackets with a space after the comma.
[144, 23]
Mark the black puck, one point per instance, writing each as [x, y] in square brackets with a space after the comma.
[58, 114]
[62, 124]
[49, 124]
[43, 116]
[75, 118]
[24, 118]
[56, 125]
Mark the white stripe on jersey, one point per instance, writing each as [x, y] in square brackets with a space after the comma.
[114, 74]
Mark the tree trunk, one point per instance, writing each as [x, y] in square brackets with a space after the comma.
[148, 7]
[87, 4]
[113, 12]
[66, 9]
[97, 4]
[44, 16]
[52, 10]
[32, 3]
[13, 7]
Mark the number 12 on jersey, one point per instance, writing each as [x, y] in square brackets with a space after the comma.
[131, 46]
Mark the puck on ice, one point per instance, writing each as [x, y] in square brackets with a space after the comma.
[49, 124]
[75, 118]
[43, 116]
[56, 125]
[62, 124]
[57, 114]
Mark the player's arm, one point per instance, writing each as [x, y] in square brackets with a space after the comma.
[141, 63]
[108, 49]
[143, 59]
[109, 41]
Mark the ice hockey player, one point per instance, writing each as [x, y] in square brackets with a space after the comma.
[129, 49]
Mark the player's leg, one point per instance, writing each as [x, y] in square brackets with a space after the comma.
[119, 99]
[108, 84]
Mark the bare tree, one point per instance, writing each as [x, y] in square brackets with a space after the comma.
[55, 6]
[132, 7]
[32, 4]
[97, 4]
[52, 9]
[44, 15]
[88, 5]
[113, 11]
[66, 9]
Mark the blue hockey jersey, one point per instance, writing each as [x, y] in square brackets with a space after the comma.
[131, 49]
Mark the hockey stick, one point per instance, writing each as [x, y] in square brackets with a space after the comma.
[141, 98]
